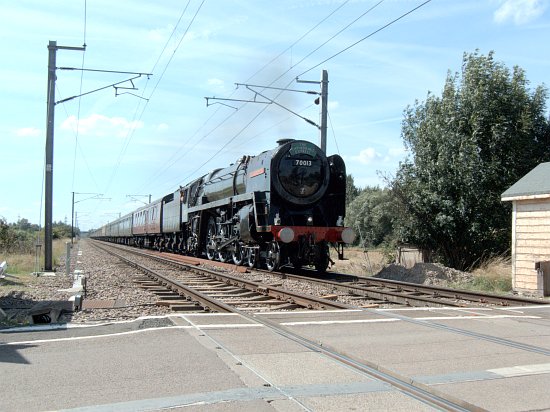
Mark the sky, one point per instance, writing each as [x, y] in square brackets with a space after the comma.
[113, 148]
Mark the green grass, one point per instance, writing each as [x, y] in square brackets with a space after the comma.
[20, 264]
[493, 275]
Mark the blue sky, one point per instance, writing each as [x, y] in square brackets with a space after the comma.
[124, 145]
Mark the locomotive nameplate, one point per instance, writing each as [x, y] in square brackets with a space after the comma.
[303, 148]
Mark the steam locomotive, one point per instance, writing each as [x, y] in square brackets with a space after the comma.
[285, 206]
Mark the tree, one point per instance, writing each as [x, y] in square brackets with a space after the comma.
[352, 191]
[62, 230]
[370, 215]
[15, 240]
[465, 148]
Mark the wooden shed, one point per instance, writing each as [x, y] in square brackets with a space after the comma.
[530, 197]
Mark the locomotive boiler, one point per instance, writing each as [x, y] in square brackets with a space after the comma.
[285, 206]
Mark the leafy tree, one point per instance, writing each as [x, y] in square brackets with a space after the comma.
[371, 215]
[14, 240]
[62, 230]
[352, 191]
[24, 225]
[466, 147]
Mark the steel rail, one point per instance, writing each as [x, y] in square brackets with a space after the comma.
[422, 392]
[283, 295]
[392, 296]
[403, 291]
[208, 303]
[418, 390]
[480, 297]
[398, 292]
[445, 292]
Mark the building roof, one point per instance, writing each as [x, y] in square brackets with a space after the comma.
[535, 184]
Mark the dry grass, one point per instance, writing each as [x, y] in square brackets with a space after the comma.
[19, 264]
[360, 262]
[21, 267]
[494, 275]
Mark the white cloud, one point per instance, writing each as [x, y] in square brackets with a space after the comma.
[101, 126]
[28, 132]
[370, 155]
[163, 127]
[519, 11]
[367, 156]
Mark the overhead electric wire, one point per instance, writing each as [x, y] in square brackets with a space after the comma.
[299, 40]
[333, 133]
[77, 144]
[80, 98]
[131, 131]
[366, 37]
[170, 163]
[292, 67]
[279, 77]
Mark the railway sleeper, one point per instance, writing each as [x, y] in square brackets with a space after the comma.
[187, 308]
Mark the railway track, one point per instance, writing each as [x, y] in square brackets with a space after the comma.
[185, 287]
[384, 291]
[205, 288]
[360, 291]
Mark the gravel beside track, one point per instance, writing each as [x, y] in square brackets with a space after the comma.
[107, 278]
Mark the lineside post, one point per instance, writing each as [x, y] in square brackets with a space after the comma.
[324, 110]
[52, 51]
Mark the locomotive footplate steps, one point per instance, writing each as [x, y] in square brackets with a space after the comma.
[261, 210]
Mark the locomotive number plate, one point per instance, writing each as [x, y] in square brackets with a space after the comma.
[298, 162]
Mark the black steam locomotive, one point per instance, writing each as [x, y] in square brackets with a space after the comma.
[284, 206]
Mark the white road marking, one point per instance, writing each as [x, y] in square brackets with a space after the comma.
[522, 370]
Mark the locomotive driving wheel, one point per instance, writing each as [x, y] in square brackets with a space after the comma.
[273, 258]
[238, 253]
[193, 244]
[211, 239]
[223, 255]
[252, 256]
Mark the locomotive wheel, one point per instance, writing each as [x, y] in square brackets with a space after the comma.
[252, 256]
[223, 255]
[238, 253]
[273, 259]
[193, 245]
[211, 239]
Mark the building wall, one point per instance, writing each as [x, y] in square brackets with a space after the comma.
[531, 244]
